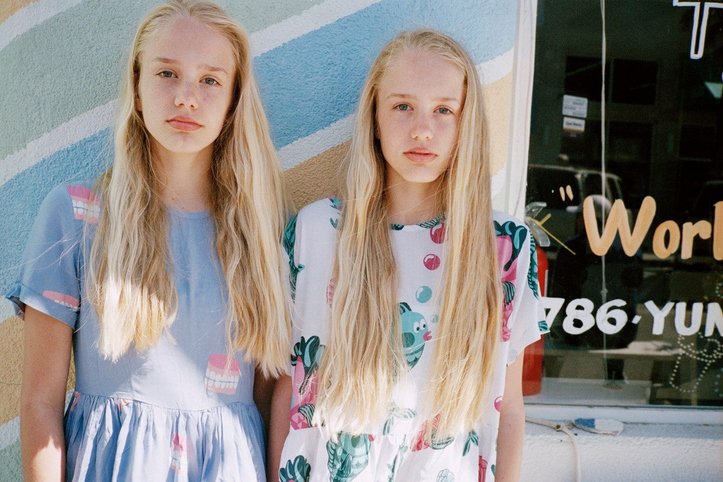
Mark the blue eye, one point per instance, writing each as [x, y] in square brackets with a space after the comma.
[444, 110]
[166, 74]
[210, 81]
[402, 107]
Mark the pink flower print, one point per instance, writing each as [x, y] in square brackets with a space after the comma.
[297, 421]
[506, 332]
[330, 291]
[62, 299]
[298, 378]
[222, 374]
[420, 441]
[482, 469]
[505, 251]
[508, 277]
[85, 205]
[302, 413]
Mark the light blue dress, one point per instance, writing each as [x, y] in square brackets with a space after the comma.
[183, 409]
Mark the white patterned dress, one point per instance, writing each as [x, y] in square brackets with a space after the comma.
[397, 451]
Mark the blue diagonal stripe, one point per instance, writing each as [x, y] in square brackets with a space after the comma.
[315, 80]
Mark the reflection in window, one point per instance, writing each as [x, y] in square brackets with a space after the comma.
[630, 326]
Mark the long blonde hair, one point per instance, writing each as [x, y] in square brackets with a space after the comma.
[357, 374]
[129, 274]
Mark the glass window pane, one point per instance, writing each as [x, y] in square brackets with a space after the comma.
[636, 318]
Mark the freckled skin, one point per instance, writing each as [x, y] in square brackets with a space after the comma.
[180, 78]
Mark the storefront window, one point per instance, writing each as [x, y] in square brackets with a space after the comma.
[635, 317]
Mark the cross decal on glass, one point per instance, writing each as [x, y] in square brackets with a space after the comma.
[700, 23]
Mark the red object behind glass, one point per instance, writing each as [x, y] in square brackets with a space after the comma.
[534, 353]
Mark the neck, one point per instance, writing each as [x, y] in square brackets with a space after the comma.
[412, 203]
[186, 180]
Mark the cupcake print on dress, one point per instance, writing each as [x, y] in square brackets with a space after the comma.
[222, 374]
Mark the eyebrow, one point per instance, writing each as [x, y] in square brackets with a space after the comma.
[439, 99]
[210, 68]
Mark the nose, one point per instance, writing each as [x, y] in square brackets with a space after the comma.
[186, 95]
[422, 128]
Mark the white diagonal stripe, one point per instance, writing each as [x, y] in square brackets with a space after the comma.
[75, 130]
[312, 145]
[497, 68]
[31, 16]
[497, 182]
[307, 21]
[9, 432]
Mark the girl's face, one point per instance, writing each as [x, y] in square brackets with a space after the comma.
[419, 102]
[185, 87]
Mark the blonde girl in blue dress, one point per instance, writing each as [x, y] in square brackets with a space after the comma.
[165, 276]
[413, 300]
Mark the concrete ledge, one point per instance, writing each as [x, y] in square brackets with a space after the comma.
[642, 452]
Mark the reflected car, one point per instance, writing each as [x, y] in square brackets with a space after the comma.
[563, 189]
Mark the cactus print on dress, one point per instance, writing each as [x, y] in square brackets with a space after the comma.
[348, 456]
[289, 234]
[297, 470]
[398, 448]
[305, 360]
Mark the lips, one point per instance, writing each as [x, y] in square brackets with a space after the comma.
[182, 123]
[420, 155]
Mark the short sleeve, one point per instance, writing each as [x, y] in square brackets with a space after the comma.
[49, 279]
[523, 316]
[292, 270]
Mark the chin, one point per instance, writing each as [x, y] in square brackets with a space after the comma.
[423, 178]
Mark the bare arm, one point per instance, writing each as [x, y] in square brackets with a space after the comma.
[46, 361]
[263, 388]
[512, 426]
[279, 429]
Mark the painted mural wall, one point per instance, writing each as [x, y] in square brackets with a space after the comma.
[60, 63]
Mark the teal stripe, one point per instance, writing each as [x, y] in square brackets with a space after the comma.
[10, 468]
[71, 63]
